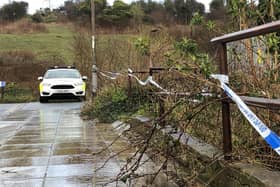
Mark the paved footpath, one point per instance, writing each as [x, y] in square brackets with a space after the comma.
[50, 145]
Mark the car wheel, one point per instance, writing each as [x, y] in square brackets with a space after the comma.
[43, 100]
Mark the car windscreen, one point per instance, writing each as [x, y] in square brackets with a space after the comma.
[57, 74]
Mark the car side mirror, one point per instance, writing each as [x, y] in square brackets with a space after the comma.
[84, 78]
[40, 78]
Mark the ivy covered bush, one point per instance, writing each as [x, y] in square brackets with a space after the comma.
[114, 103]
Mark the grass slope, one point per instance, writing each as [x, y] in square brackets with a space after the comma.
[54, 44]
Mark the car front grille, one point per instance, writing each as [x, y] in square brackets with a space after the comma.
[67, 95]
[62, 87]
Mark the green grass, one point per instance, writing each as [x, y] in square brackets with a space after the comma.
[51, 45]
[17, 95]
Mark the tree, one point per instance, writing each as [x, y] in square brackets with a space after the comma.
[216, 5]
[154, 12]
[81, 10]
[180, 10]
[269, 10]
[169, 7]
[200, 8]
[14, 11]
[217, 9]
[71, 9]
[37, 17]
[137, 13]
[100, 5]
[185, 9]
[84, 6]
[119, 14]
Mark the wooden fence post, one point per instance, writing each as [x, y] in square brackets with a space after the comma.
[2, 86]
[2, 92]
[129, 86]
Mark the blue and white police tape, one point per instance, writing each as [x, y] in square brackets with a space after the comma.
[270, 137]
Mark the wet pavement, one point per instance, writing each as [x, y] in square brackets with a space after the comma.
[50, 145]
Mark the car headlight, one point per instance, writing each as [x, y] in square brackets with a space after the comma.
[79, 84]
[43, 85]
[46, 84]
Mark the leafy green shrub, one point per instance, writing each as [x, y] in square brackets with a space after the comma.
[113, 103]
[37, 18]
[197, 19]
[143, 46]
[50, 18]
[186, 46]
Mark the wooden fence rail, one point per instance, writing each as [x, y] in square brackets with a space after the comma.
[262, 102]
[272, 104]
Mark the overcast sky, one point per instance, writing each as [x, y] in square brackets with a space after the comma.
[37, 4]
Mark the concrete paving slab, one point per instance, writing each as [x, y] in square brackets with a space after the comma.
[24, 161]
[25, 172]
[50, 145]
[22, 183]
[80, 181]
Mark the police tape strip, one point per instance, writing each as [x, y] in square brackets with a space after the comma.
[112, 73]
[107, 76]
[112, 76]
[270, 137]
[157, 85]
[148, 80]
[143, 83]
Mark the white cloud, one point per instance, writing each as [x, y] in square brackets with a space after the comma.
[206, 3]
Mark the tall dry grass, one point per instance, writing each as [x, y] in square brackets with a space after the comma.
[81, 48]
[23, 26]
[22, 68]
[116, 53]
